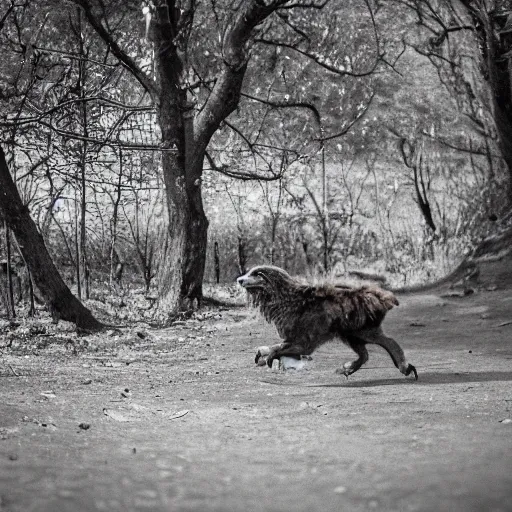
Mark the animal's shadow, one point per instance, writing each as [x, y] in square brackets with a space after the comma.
[425, 379]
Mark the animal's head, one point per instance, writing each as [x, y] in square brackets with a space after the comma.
[264, 278]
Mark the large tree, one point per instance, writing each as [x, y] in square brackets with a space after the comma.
[215, 63]
[61, 302]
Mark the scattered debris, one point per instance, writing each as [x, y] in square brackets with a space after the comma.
[179, 414]
[417, 324]
[116, 415]
[454, 294]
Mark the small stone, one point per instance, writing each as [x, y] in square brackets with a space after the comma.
[506, 420]
[84, 426]
[340, 489]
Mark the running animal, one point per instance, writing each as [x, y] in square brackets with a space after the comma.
[307, 316]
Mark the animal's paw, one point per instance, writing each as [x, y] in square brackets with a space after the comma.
[262, 361]
[411, 369]
[348, 369]
[261, 354]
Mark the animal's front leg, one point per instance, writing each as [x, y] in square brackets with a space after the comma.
[351, 367]
[285, 349]
[265, 352]
[282, 349]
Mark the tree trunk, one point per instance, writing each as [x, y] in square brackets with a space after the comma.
[185, 137]
[115, 261]
[184, 258]
[216, 256]
[242, 255]
[182, 269]
[496, 47]
[10, 291]
[61, 302]
[82, 260]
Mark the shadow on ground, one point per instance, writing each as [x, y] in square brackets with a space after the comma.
[426, 379]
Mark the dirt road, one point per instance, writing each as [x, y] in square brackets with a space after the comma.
[182, 420]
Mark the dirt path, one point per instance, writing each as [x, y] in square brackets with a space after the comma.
[182, 419]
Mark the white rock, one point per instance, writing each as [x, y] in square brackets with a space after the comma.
[287, 363]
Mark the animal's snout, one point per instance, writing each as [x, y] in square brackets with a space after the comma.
[241, 280]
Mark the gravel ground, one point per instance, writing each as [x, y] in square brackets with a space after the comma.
[182, 420]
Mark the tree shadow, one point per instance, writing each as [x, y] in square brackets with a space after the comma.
[425, 379]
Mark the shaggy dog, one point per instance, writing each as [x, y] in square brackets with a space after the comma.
[307, 316]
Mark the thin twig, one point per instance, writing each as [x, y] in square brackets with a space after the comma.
[13, 371]
[179, 414]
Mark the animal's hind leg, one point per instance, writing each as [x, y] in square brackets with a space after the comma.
[377, 337]
[358, 347]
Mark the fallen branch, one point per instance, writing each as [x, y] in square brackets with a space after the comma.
[503, 324]
[179, 414]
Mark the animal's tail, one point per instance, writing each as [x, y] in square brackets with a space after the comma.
[386, 298]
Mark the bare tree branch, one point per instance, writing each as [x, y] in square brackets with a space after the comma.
[244, 176]
[318, 59]
[118, 52]
[349, 126]
[225, 94]
[99, 99]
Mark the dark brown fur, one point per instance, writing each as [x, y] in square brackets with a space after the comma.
[307, 316]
